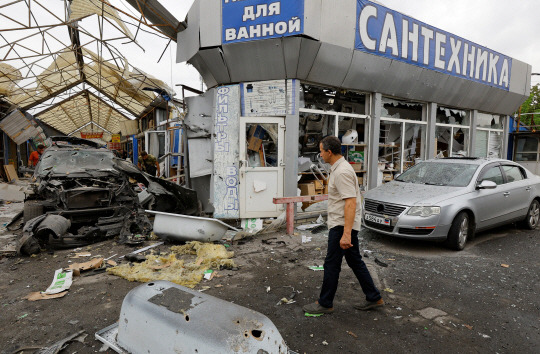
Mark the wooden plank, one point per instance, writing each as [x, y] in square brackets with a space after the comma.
[11, 173]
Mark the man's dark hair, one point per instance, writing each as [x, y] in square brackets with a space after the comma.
[331, 143]
[144, 153]
[41, 146]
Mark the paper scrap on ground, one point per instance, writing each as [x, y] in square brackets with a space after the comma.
[306, 239]
[208, 274]
[82, 254]
[35, 296]
[61, 282]
[252, 225]
[77, 268]
[316, 267]
[307, 226]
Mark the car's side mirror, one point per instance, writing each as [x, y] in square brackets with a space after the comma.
[485, 184]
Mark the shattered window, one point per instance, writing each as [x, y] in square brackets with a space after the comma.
[262, 144]
[73, 161]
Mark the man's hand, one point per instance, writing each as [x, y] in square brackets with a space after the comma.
[345, 241]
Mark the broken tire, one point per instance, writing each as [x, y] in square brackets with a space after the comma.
[533, 216]
[32, 209]
[460, 231]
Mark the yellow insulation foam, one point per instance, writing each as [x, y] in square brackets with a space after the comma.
[178, 270]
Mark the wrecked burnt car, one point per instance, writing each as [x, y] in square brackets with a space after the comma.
[83, 193]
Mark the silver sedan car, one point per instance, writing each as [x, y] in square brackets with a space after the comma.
[450, 199]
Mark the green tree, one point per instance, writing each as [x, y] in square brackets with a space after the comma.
[532, 105]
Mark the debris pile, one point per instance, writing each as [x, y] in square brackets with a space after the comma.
[187, 271]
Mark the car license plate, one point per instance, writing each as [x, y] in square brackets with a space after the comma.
[377, 219]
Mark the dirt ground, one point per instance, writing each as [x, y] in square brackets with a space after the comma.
[437, 300]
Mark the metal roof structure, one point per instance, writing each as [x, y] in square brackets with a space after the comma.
[60, 60]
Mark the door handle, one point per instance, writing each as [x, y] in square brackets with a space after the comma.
[528, 189]
[506, 194]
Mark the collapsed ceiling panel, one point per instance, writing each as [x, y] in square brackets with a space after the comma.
[68, 49]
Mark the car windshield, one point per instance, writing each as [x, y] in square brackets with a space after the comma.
[75, 161]
[439, 174]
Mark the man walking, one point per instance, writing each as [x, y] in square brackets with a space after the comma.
[149, 164]
[344, 217]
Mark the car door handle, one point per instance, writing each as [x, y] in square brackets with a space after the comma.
[528, 189]
[506, 194]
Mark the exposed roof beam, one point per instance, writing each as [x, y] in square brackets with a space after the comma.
[51, 95]
[59, 103]
[158, 15]
[87, 124]
[112, 99]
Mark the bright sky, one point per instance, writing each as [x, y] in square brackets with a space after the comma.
[509, 27]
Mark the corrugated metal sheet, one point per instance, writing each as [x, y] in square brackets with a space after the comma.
[20, 128]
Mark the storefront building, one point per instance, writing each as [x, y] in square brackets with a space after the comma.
[284, 74]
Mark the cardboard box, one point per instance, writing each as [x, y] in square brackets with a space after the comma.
[360, 181]
[357, 166]
[307, 188]
[255, 136]
[318, 185]
[388, 176]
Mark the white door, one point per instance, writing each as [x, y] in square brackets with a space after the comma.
[261, 166]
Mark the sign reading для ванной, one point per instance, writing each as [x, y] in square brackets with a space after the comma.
[388, 33]
[247, 20]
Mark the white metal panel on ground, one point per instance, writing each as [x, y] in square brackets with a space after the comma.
[211, 23]
[192, 322]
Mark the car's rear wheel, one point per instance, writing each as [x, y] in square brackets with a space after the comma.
[460, 232]
[32, 209]
[533, 216]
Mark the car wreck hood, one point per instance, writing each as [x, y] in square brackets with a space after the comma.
[413, 194]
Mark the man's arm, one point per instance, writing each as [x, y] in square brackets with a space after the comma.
[349, 214]
[157, 165]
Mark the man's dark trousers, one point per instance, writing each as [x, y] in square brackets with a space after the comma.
[332, 267]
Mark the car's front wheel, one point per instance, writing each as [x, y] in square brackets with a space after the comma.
[460, 232]
[533, 216]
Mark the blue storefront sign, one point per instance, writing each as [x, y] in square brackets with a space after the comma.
[247, 20]
[390, 34]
